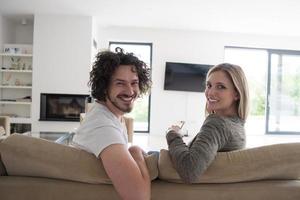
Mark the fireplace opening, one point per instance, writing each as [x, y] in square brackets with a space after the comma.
[61, 107]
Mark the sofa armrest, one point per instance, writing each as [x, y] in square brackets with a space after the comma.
[5, 122]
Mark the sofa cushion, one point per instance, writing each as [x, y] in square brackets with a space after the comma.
[279, 161]
[28, 156]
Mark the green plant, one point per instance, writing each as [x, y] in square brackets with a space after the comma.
[293, 89]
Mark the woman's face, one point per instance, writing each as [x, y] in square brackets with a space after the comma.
[221, 95]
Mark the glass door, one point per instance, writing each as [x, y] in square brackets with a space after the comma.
[283, 100]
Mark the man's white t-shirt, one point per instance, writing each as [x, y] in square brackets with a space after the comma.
[100, 129]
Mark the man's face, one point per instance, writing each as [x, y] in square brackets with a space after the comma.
[123, 90]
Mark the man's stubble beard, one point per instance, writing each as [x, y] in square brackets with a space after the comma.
[125, 110]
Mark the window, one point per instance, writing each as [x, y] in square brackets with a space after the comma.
[141, 110]
[274, 84]
[283, 114]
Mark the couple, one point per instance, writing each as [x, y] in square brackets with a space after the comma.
[117, 79]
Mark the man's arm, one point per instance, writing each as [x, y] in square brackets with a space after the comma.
[138, 155]
[128, 171]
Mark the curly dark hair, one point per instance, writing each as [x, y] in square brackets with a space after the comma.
[104, 67]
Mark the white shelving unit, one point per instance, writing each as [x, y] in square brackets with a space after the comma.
[15, 71]
[16, 54]
[20, 120]
[15, 102]
[15, 87]
[16, 84]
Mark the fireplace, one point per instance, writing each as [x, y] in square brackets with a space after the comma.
[61, 107]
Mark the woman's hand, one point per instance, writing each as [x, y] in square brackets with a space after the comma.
[174, 128]
[172, 133]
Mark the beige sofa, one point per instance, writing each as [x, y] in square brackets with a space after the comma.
[35, 169]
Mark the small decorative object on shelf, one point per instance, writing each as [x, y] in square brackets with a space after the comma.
[15, 63]
[12, 50]
[17, 82]
[8, 77]
[6, 50]
[17, 49]
[24, 99]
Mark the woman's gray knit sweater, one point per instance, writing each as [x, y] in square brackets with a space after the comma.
[216, 134]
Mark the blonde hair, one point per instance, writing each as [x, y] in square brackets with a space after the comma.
[239, 81]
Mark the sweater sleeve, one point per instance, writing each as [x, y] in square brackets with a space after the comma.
[191, 161]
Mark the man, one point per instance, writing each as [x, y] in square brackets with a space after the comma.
[116, 80]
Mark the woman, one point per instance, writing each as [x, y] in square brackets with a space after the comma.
[223, 129]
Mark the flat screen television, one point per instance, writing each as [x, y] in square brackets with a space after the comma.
[61, 107]
[185, 76]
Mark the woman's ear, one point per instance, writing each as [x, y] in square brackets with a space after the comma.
[237, 96]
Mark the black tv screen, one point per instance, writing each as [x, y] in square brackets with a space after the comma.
[185, 76]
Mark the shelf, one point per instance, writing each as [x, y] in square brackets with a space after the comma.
[15, 87]
[15, 102]
[20, 120]
[15, 83]
[15, 55]
[15, 71]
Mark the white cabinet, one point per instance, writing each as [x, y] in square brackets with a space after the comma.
[16, 88]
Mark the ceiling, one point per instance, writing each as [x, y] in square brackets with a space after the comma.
[269, 17]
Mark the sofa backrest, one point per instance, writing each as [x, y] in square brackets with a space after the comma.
[28, 156]
[277, 161]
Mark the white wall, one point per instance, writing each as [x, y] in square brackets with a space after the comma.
[185, 46]
[1, 33]
[24, 34]
[95, 40]
[13, 32]
[61, 61]
[8, 31]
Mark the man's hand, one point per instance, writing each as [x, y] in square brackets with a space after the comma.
[137, 153]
